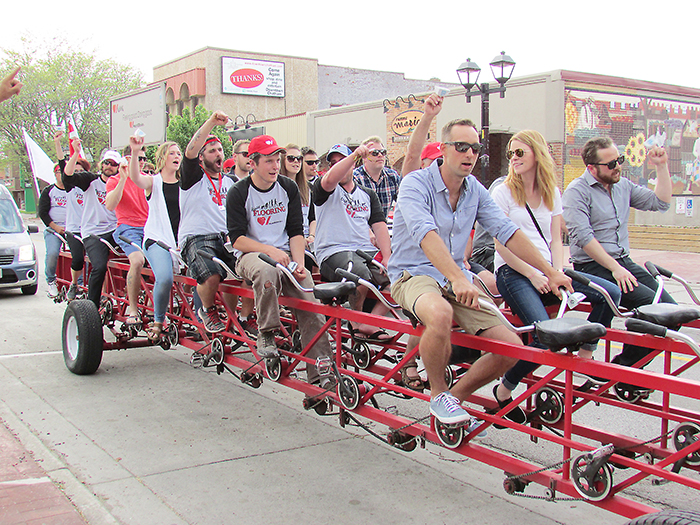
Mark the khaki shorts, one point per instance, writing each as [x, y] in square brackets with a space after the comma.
[407, 289]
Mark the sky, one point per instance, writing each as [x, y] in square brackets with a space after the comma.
[640, 41]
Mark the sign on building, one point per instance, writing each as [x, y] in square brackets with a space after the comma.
[144, 110]
[243, 76]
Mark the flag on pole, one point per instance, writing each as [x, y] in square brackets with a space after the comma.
[72, 135]
[42, 165]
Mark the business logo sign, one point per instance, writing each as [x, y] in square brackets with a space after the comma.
[404, 123]
[242, 76]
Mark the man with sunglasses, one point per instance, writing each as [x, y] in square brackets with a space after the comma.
[98, 223]
[596, 210]
[129, 203]
[434, 215]
[310, 164]
[376, 175]
[242, 165]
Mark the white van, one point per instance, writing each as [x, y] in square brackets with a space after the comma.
[18, 265]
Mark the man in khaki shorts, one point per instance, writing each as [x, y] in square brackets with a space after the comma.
[436, 210]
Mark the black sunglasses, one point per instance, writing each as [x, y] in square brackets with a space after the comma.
[311, 162]
[244, 153]
[294, 158]
[377, 152]
[142, 159]
[110, 163]
[611, 165]
[516, 152]
[462, 147]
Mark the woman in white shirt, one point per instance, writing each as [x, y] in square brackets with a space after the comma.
[531, 199]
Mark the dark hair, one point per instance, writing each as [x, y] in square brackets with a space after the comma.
[306, 150]
[447, 130]
[589, 153]
[127, 150]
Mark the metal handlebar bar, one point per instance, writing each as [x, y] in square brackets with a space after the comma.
[207, 255]
[359, 280]
[269, 260]
[575, 276]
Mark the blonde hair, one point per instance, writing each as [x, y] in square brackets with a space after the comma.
[545, 179]
[162, 156]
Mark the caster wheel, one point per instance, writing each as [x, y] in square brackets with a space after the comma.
[172, 334]
[552, 404]
[624, 393]
[361, 355]
[449, 435]
[685, 435]
[349, 392]
[593, 486]
[273, 368]
[216, 354]
[402, 441]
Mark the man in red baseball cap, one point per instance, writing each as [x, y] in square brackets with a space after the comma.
[263, 213]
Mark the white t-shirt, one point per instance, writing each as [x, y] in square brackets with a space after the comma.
[519, 215]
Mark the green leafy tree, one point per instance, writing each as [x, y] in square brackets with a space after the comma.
[182, 128]
[60, 82]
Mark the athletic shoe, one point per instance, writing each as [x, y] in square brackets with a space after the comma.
[53, 290]
[72, 292]
[446, 409]
[266, 345]
[212, 321]
[249, 324]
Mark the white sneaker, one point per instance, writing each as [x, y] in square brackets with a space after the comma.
[53, 290]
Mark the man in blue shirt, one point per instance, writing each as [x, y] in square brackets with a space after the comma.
[434, 216]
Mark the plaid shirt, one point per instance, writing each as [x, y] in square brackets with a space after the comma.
[386, 188]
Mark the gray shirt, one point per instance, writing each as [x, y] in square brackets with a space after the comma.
[424, 206]
[593, 212]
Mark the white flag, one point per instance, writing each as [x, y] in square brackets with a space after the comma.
[42, 165]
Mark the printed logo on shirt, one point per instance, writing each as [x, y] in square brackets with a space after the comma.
[101, 196]
[354, 206]
[270, 212]
[79, 198]
[60, 201]
[215, 197]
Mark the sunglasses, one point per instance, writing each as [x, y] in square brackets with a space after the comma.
[515, 153]
[462, 147]
[311, 162]
[110, 163]
[294, 158]
[142, 159]
[150, 172]
[611, 165]
[244, 153]
[378, 152]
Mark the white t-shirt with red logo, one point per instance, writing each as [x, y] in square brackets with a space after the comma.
[202, 201]
[97, 219]
[270, 217]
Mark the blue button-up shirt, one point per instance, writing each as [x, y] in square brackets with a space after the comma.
[593, 212]
[424, 206]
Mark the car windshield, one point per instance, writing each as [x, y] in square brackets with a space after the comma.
[10, 222]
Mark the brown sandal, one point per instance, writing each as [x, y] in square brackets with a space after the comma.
[413, 382]
[154, 332]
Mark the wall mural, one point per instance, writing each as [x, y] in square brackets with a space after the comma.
[635, 124]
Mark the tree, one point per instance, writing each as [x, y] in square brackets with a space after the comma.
[59, 83]
[182, 128]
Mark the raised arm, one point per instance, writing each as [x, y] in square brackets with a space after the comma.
[433, 105]
[142, 181]
[70, 165]
[340, 170]
[218, 118]
[114, 196]
[659, 158]
[57, 143]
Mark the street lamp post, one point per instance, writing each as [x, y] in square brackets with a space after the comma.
[468, 72]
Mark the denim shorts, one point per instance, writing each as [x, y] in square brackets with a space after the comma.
[133, 233]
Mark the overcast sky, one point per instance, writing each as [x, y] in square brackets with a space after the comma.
[626, 39]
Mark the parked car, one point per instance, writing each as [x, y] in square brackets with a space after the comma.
[18, 265]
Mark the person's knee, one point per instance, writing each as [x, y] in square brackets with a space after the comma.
[438, 316]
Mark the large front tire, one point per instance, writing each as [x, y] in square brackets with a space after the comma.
[82, 337]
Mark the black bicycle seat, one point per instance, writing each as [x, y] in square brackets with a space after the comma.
[665, 314]
[567, 332]
[327, 292]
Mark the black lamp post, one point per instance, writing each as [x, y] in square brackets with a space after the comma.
[502, 68]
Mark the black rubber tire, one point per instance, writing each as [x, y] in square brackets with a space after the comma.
[30, 289]
[668, 517]
[82, 324]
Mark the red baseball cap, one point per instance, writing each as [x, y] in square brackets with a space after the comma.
[229, 163]
[263, 145]
[431, 151]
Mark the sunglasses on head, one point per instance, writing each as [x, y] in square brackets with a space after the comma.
[110, 163]
[515, 152]
[378, 152]
[294, 158]
[462, 147]
[311, 162]
[611, 165]
[244, 153]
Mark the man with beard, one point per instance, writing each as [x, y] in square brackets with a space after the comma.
[203, 190]
[98, 223]
[436, 209]
[264, 216]
[596, 210]
[376, 175]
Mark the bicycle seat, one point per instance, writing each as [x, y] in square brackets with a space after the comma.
[665, 314]
[328, 292]
[567, 332]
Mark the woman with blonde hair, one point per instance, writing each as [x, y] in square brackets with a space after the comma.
[292, 167]
[529, 196]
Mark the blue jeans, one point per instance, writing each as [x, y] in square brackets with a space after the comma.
[161, 263]
[529, 305]
[53, 248]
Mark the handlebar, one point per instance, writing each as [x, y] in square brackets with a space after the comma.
[269, 260]
[360, 281]
[575, 276]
